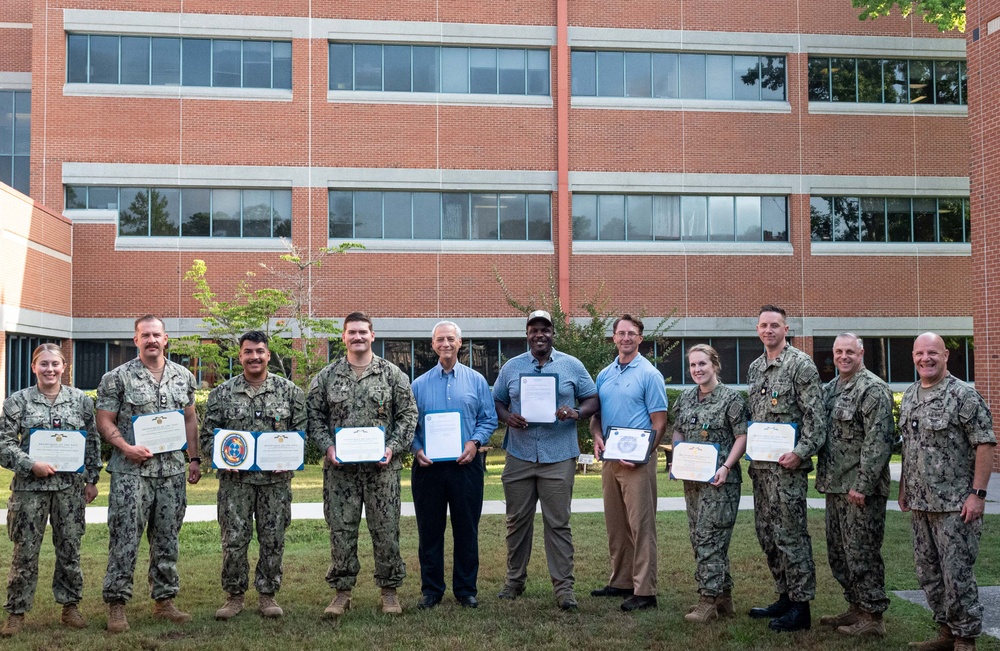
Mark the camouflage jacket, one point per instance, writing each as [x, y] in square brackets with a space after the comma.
[381, 397]
[719, 418]
[277, 406]
[28, 409]
[787, 389]
[859, 438]
[130, 390]
[940, 435]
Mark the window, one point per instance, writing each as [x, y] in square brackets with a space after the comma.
[735, 354]
[15, 139]
[671, 75]
[19, 351]
[415, 356]
[189, 212]
[373, 214]
[438, 69]
[170, 61]
[887, 81]
[633, 218]
[95, 358]
[889, 219]
[891, 358]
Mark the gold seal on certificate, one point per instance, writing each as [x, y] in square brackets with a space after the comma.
[63, 449]
[360, 444]
[233, 450]
[538, 397]
[627, 444]
[768, 441]
[443, 435]
[694, 461]
[282, 451]
[164, 431]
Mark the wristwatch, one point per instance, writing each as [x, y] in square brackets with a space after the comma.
[978, 492]
[477, 443]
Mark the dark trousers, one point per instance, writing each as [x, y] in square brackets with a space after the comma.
[438, 489]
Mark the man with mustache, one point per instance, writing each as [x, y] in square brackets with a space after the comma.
[147, 490]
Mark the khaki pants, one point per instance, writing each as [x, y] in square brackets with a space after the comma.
[630, 517]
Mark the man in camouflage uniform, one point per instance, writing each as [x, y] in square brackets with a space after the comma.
[39, 494]
[784, 387]
[254, 401]
[948, 443]
[853, 471]
[147, 491]
[362, 390]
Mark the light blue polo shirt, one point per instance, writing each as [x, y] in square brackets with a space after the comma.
[630, 394]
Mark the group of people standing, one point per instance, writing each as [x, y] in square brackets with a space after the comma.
[847, 423]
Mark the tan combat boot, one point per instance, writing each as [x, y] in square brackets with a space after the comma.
[165, 609]
[866, 624]
[944, 641]
[13, 626]
[268, 606]
[846, 618]
[965, 644]
[704, 612]
[724, 604]
[71, 617]
[232, 607]
[390, 602]
[116, 618]
[340, 604]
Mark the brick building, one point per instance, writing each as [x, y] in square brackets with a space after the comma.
[707, 157]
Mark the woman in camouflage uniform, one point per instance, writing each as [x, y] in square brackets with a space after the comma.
[711, 412]
[40, 493]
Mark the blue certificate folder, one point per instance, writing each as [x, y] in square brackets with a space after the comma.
[795, 439]
[716, 457]
[66, 432]
[237, 449]
[339, 460]
[444, 456]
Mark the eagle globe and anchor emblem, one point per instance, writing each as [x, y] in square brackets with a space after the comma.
[234, 449]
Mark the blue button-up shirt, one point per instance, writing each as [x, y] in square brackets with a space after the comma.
[461, 389]
[546, 442]
[630, 394]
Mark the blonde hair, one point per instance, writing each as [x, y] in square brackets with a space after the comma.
[55, 349]
[710, 352]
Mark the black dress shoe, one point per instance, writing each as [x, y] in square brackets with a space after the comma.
[611, 591]
[468, 601]
[797, 618]
[777, 609]
[428, 601]
[639, 602]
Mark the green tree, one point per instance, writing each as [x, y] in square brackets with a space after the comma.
[943, 14]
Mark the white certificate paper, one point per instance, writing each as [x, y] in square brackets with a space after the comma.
[627, 444]
[694, 461]
[360, 444]
[443, 435]
[233, 450]
[282, 451]
[161, 432]
[538, 397]
[64, 450]
[768, 441]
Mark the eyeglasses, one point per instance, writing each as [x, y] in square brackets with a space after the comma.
[628, 335]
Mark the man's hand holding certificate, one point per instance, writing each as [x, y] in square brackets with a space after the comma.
[64, 450]
[360, 444]
[768, 441]
[160, 432]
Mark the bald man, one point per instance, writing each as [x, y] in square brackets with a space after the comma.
[948, 443]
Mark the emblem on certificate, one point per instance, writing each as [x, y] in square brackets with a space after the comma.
[63, 449]
[258, 451]
[768, 441]
[360, 444]
[233, 450]
[164, 431]
[443, 435]
[694, 461]
[538, 397]
[627, 444]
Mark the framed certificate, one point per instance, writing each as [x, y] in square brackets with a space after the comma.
[627, 444]
[538, 397]
[282, 451]
[161, 432]
[443, 435]
[768, 441]
[63, 449]
[694, 461]
[233, 450]
[360, 444]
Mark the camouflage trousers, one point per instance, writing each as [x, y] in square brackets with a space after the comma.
[27, 513]
[711, 515]
[945, 550]
[240, 505]
[782, 529]
[136, 504]
[345, 490]
[854, 546]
